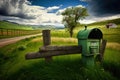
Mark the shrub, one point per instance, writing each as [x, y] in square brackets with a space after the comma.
[22, 47]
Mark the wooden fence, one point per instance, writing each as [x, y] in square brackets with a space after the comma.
[17, 32]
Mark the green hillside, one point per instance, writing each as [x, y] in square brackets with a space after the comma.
[100, 24]
[9, 25]
[116, 21]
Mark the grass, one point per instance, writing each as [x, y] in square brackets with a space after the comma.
[113, 45]
[112, 35]
[112, 61]
[68, 67]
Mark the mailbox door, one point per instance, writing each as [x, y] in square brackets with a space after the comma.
[93, 46]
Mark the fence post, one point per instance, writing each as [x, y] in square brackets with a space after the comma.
[100, 57]
[1, 32]
[102, 49]
[7, 32]
[46, 42]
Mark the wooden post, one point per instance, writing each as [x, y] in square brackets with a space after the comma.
[1, 31]
[7, 32]
[46, 37]
[102, 50]
[46, 42]
[14, 32]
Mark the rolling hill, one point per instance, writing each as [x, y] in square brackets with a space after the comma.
[116, 21]
[10, 25]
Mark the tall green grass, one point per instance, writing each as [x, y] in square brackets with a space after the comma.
[112, 61]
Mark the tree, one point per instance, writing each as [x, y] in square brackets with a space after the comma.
[71, 16]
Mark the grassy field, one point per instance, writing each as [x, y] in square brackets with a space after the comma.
[13, 65]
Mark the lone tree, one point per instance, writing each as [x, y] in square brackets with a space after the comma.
[71, 16]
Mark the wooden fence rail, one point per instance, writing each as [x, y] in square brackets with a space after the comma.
[50, 51]
[16, 32]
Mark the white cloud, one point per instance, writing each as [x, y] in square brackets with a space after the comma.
[24, 13]
[107, 17]
[53, 8]
[80, 6]
[86, 21]
[54, 24]
[91, 19]
[61, 10]
[14, 8]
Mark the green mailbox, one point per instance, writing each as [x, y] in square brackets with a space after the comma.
[90, 40]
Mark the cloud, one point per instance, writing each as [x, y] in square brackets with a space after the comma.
[22, 12]
[14, 8]
[104, 7]
[92, 19]
[86, 21]
[100, 10]
[53, 8]
[61, 10]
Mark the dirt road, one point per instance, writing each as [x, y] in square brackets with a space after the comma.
[7, 41]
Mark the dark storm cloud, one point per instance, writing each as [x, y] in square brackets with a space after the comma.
[14, 8]
[104, 7]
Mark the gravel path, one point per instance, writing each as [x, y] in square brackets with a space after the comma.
[7, 41]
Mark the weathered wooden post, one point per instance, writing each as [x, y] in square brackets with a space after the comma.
[102, 49]
[2, 34]
[46, 42]
[7, 30]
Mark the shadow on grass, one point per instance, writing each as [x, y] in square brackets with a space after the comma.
[113, 68]
[59, 70]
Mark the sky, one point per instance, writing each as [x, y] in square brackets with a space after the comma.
[47, 12]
